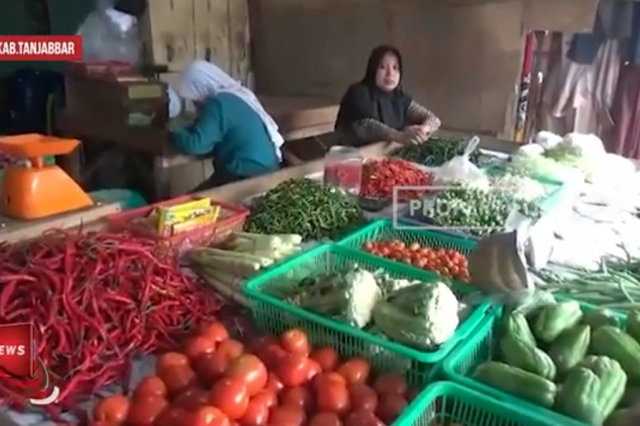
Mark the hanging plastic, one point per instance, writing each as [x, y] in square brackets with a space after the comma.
[500, 263]
[461, 170]
[109, 35]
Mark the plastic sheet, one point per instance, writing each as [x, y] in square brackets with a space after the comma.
[109, 35]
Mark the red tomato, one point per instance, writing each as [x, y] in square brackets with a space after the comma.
[297, 396]
[199, 345]
[328, 377]
[390, 407]
[268, 397]
[251, 371]
[286, 416]
[215, 331]
[273, 383]
[363, 418]
[271, 354]
[177, 378]
[412, 393]
[390, 383]
[144, 411]
[295, 341]
[152, 385]
[112, 409]
[258, 344]
[257, 413]
[230, 349]
[192, 398]
[293, 369]
[210, 367]
[313, 369]
[326, 357]
[332, 396]
[230, 396]
[208, 416]
[171, 359]
[172, 416]
[325, 419]
[355, 370]
[362, 397]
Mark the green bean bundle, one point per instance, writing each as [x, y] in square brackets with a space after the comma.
[305, 207]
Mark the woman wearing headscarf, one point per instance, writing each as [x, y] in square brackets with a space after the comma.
[231, 125]
[377, 108]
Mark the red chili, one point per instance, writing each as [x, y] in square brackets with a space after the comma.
[98, 300]
[380, 177]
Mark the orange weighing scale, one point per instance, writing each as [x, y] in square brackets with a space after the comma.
[35, 190]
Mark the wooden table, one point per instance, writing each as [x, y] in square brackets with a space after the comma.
[14, 230]
[173, 173]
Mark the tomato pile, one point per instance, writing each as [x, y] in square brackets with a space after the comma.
[379, 177]
[448, 263]
[218, 381]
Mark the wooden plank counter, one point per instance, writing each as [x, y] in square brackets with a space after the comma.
[14, 230]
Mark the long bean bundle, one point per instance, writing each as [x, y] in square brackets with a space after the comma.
[616, 287]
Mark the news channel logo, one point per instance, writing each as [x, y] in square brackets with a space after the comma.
[441, 208]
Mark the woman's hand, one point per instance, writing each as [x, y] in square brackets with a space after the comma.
[413, 134]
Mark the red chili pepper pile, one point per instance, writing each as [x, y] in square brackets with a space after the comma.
[381, 176]
[97, 301]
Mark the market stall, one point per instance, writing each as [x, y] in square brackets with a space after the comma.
[327, 306]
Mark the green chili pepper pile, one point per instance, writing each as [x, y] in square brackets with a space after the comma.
[474, 211]
[307, 208]
[435, 152]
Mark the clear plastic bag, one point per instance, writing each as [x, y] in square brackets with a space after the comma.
[461, 170]
[109, 35]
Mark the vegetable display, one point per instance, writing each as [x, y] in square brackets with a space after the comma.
[446, 262]
[473, 210]
[98, 300]
[519, 187]
[226, 268]
[380, 177]
[580, 364]
[265, 381]
[417, 314]
[304, 207]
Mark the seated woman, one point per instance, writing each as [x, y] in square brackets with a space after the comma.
[231, 125]
[377, 108]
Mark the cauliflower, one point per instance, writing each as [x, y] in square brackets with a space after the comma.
[348, 296]
[421, 315]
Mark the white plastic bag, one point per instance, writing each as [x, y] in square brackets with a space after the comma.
[109, 35]
[460, 170]
[547, 140]
[589, 145]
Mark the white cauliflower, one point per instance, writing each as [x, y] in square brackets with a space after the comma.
[421, 315]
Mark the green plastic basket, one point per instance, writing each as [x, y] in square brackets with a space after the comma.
[386, 230]
[482, 347]
[274, 316]
[447, 403]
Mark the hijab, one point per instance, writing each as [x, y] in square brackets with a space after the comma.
[366, 100]
[202, 79]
